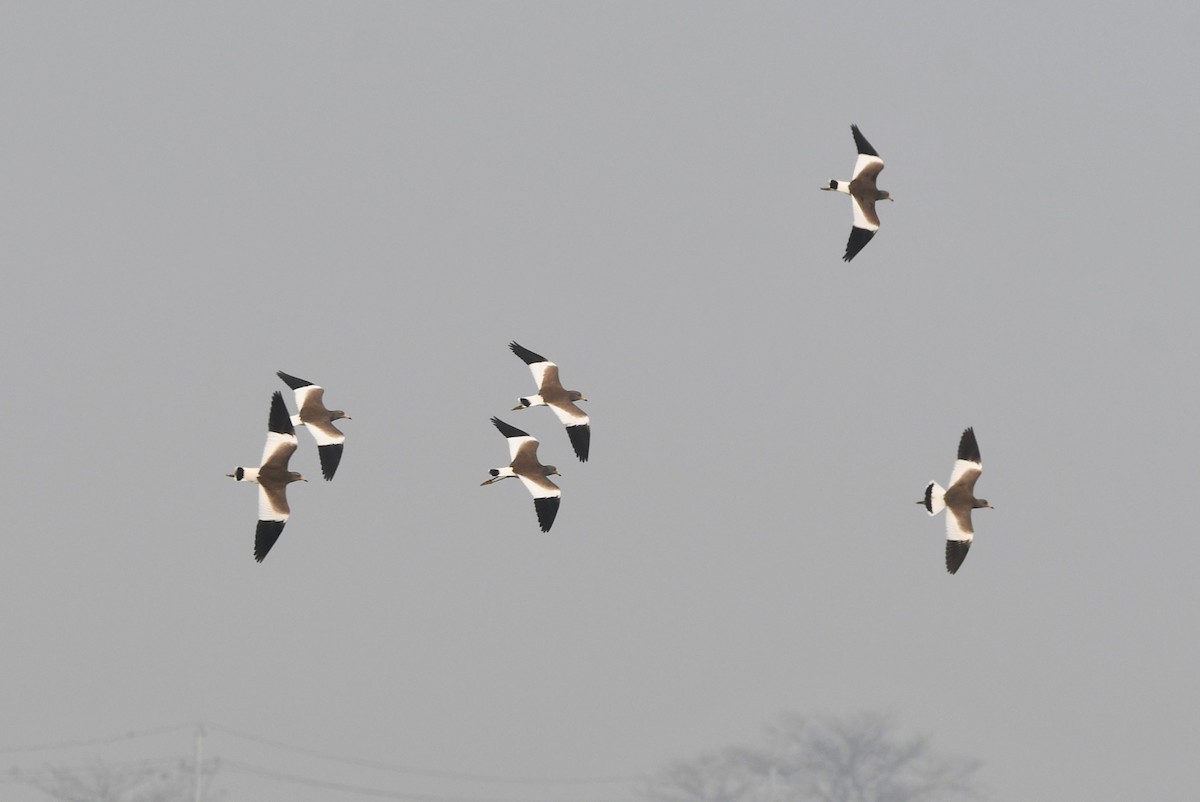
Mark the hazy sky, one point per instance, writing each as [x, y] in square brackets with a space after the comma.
[378, 197]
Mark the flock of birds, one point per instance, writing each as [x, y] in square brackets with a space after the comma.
[273, 476]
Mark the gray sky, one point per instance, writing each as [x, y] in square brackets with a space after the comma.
[379, 197]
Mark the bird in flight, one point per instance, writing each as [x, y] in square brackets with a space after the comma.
[863, 194]
[958, 499]
[318, 420]
[562, 402]
[272, 477]
[522, 450]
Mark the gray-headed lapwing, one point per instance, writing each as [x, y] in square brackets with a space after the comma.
[960, 499]
[863, 194]
[551, 394]
[319, 421]
[272, 477]
[534, 475]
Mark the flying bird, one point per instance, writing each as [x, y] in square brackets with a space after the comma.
[960, 499]
[522, 450]
[272, 477]
[863, 194]
[551, 394]
[318, 420]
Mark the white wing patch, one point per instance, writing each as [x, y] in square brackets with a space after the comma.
[302, 394]
[325, 434]
[570, 414]
[540, 486]
[865, 161]
[515, 443]
[278, 445]
[961, 468]
[955, 529]
[266, 510]
[538, 369]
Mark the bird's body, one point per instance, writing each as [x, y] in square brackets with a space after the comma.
[310, 401]
[958, 499]
[552, 394]
[272, 477]
[533, 474]
[863, 193]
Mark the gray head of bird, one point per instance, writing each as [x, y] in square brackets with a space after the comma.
[575, 395]
[982, 502]
[883, 194]
[550, 470]
[337, 414]
[294, 476]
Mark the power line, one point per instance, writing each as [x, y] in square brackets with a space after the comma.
[356, 789]
[433, 773]
[142, 765]
[128, 736]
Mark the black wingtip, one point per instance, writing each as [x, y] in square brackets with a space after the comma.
[527, 356]
[968, 448]
[265, 536]
[956, 552]
[859, 237]
[547, 508]
[331, 455]
[581, 439]
[864, 147]
[280, 421]
[292, 381]
[507, 430]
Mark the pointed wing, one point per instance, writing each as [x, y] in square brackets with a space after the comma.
[292, 381]
[517, 440]
[578, 426]
[956, 552]
[581, 440]
[547, 509]
[265, 536]
[860, 142]
[969, 465]
[859, 237]
[331, 456]
[546, 497]
[281, 435]
[545, 372]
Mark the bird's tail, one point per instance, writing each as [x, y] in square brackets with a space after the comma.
[935, 498]
[497, 474]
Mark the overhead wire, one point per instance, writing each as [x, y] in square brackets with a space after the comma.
[382, 793]
[128, 736]
[15, 774]
[425, 772]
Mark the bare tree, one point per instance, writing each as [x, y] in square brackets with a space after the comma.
[855, 759]
[140, 781]
[730, 775]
